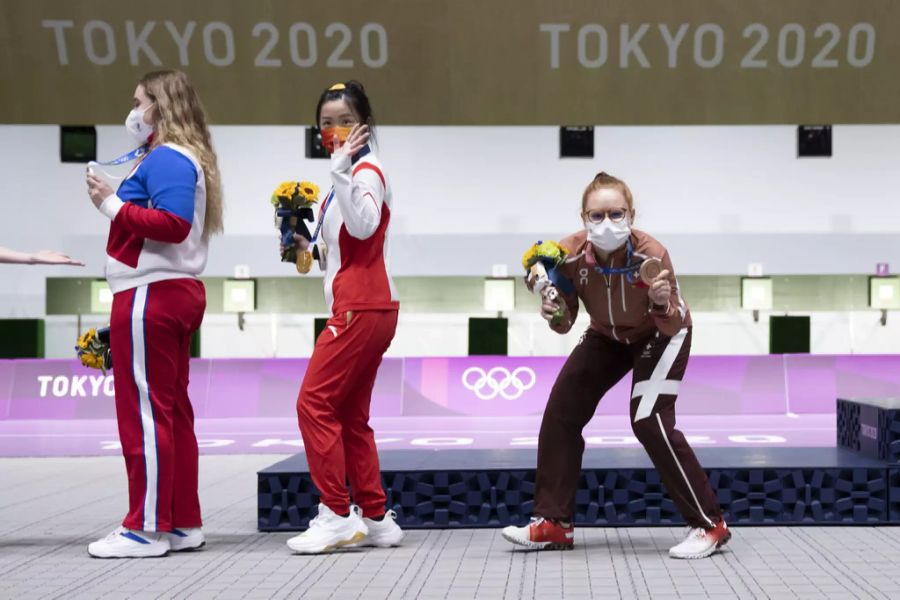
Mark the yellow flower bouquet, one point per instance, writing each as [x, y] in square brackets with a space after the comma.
[93, 350]
[293, 202]
[548, 253]
[540, 262]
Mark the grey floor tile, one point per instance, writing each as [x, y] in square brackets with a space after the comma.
[42, 553]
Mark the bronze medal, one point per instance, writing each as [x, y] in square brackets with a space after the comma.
[650, 270]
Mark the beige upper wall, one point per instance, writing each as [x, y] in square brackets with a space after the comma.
[463, 62]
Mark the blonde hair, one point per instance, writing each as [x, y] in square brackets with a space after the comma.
[180, 119]
[605, 180]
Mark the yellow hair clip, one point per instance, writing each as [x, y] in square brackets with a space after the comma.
[337, 87]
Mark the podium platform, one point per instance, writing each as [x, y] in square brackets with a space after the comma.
[469, 488]
[870, 426]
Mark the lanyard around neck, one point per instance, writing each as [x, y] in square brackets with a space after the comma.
[325, 206]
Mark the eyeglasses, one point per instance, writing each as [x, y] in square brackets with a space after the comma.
[616, 215]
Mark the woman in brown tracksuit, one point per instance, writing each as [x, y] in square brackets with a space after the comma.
[634, 327]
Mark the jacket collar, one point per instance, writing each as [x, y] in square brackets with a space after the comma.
[359, 155]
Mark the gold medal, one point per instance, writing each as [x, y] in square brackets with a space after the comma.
[304, 261]
[650, 270]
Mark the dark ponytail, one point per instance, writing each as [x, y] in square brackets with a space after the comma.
[354, 94]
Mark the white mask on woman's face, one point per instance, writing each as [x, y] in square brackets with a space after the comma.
[137, 127]
[607, 235]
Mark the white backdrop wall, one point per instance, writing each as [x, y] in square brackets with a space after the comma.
[468, 197]
[721, 333]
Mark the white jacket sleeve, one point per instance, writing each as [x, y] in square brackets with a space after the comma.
[360, 196]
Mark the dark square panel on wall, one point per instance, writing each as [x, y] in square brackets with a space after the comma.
[788, 334]
[576, 142]
[314, 147]
[319, 324]
[195, 344]
[814, 141]
[77, 143]
[21, 338]
[488, 336]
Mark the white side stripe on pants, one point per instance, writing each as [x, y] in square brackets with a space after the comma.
[662, 431]
[658, 384]
[148, 426]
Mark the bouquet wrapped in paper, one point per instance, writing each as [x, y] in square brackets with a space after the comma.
[93, 349]
[293, 202]
[541, 262]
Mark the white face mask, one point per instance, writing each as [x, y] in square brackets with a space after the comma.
[136, 126]
[608, 236]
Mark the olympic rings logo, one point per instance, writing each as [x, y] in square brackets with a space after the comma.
[499, 381]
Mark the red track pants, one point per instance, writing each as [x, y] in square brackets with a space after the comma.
[333, 409]
[150, 338]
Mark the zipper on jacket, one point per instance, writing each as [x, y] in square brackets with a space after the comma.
[612, 321]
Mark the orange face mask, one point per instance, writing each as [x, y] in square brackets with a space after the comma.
[329, 134]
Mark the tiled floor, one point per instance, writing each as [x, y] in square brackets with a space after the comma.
[50, 508]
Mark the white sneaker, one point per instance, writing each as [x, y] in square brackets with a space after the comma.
[127, 543]
[541, 534]
[384, 533]
[700, 542]
[186, 539]
[329, 531]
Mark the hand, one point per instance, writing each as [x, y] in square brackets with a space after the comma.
[358, 138]
[300, 242]
[98, 189]
[52, 257]
[550, 307]
[660, 290]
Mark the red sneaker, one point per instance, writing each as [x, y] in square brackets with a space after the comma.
[541, 534]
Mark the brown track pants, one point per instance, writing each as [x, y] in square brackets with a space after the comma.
[595, 366]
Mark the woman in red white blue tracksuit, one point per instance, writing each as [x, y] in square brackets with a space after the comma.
[334, 399]
[161, 218]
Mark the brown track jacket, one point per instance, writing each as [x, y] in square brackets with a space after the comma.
[619, 309]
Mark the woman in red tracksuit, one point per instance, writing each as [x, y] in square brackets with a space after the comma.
[645, 329]
[333, 405]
